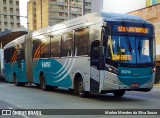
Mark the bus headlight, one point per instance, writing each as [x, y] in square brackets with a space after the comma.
[112, 69]
[154, 70]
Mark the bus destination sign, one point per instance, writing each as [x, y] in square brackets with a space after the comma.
[133, 29]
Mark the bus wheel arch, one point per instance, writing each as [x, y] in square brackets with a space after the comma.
[78, 86]
[16, 81]
[42, 81]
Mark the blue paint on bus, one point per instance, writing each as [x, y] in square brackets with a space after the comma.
[141, 76]
[11, 68]
[54, 73]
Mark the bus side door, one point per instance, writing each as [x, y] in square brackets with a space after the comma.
[94, 71]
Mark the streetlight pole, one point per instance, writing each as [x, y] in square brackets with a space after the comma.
[68, 9]
[83, 7]
[41, 13]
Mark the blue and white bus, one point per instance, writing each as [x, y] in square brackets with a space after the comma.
[95, 53]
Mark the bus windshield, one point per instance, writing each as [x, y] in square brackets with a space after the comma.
[130, 49]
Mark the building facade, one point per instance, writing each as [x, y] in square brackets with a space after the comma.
[152, 14]
[97, 5]
[51, 12]
[31, 13]
[9, 15]
[152, 2]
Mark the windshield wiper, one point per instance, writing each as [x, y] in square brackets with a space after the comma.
[130, 48]
[139, 48]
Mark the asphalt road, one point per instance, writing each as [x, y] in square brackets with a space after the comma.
[30, 97]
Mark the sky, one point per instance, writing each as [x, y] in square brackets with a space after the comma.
[23, 12]
[123, 6]
[118, 6]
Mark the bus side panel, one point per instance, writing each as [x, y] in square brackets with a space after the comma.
[61, 72]
[82, 66]
[8, 72]
[73, 66]
[51, 72]
[20, 72]
[36, 72]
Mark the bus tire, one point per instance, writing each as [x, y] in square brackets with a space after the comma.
[80, 88]
[15, 80]
[22, 83]
[119, 93]
[43, 85]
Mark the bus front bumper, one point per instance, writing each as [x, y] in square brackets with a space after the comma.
[115, 83]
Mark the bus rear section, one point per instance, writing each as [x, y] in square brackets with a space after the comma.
[14, 62]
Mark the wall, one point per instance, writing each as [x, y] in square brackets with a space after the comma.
[151, 14]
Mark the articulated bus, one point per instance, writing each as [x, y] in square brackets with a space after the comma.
[95, 53]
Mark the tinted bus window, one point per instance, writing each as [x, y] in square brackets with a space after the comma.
[36, 49]
[67, 44]
[14, 54]
[56, 46]
[45, 47]
[19, 51]
[94, 34]
[22, 52]
[82, 41]
[7, 55]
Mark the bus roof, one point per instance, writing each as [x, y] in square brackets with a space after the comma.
[18, 40]
[96, 17]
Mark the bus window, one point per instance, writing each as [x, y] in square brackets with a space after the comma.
[56, 46]
[22, 52]
[19, 55]
[18, 52]
[7, 55]
[94, 33]
[67, 44]
[45, 47]
[82, 41]
[14, 54]
[36, 49]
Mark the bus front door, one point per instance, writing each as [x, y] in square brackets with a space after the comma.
[94, 70]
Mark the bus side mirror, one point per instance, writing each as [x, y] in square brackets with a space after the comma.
[101, 58]
[101, 51]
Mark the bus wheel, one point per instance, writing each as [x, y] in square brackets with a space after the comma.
[43, 83]
[80, 88]
[119, 93]
[22, 83]
[15, 80]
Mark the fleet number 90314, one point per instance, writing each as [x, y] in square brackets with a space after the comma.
[126, 72]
